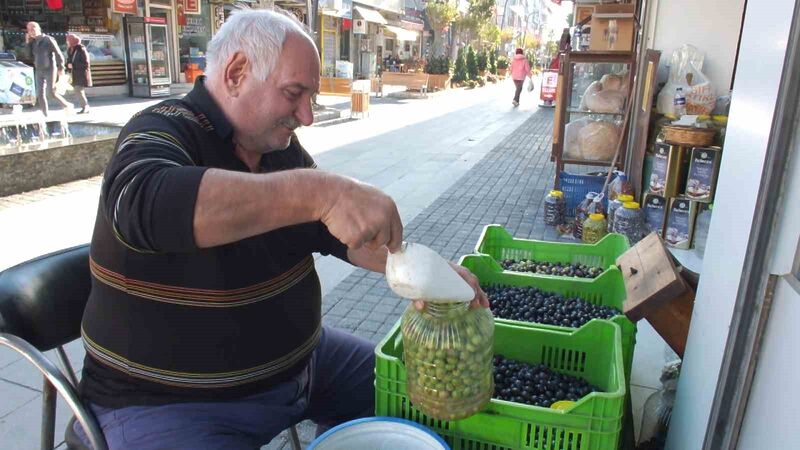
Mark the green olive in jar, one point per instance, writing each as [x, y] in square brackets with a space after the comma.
[448, 356]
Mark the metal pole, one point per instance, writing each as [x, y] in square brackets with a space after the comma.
[48, 416]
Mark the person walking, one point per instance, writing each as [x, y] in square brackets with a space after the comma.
[48, 64]
[520, 69]
[79, 65]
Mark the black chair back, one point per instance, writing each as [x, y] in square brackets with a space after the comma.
[42, 300]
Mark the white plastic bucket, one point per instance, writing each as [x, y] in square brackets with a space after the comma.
[379, 433]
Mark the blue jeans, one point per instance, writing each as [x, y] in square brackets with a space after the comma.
[337, 386]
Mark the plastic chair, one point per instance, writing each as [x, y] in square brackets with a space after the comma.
[41, 308]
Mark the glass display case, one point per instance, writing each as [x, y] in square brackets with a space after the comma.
[148, 56]
[594, 89]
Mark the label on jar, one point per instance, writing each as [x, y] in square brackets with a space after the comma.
[702, 171]
[658, 178]
[680, 224]
[654, 213]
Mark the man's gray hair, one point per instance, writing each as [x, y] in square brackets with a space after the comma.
[259, 34]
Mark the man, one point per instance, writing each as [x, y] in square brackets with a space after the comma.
[48, 64]
[203, 327]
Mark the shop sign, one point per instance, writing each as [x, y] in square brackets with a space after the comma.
[395, 6]
[97, 37]
[181, 12]
[195, 26]
[191, 6]
[123, 6]
[359, 26]
[219, 16]
[336, 8]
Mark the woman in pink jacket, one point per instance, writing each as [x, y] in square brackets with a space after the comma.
[520, 69]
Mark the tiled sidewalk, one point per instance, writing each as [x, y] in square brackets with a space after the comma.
[506, 187]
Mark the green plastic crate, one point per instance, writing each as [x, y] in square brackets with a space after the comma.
[498, 243]
[608, 289]
[593, 352]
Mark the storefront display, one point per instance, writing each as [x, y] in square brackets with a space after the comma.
[148, 50]
[193, 39]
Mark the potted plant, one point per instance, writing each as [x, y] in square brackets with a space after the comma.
[460, 74]
[483, 63]
[438, 70]
[472, 64]
[502, 66]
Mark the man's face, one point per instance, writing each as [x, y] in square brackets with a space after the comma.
[265, 113]
[33, 29]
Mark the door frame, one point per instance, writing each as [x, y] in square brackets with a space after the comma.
[172, 29]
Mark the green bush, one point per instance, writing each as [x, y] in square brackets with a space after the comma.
[460, 73]
[481, 81]
[472, 63]
[492, 63]
[438, 66]
[471, 84]
[502, 62]
[483, 61]
[530, 54]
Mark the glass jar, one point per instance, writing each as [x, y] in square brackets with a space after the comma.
[629, 221]
[555, 208]
[448, 352]
[594, 228]
[614, 205]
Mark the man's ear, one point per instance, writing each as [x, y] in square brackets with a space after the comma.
[236, 70]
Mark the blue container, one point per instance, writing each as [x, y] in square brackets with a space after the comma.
[576, 186]
[386, 433]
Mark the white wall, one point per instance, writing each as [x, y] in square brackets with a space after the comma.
[710, 25]
[755, 91]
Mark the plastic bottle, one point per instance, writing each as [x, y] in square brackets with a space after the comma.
[577, 46]
[701, 226]
[448, 352]
[628, 221]
[620, 185]
[598, 205]
[581, 213]
[614, 205]
[679, 102]
[594, 228]
[555, 208]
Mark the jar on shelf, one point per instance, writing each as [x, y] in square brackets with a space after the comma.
[555, 207]
[629, 221]
[448, 353]
[613, 206]
[594, 228]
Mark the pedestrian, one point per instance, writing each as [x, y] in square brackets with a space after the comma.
[203, 327]
[520, 69]
[48, 64]
[79, 64]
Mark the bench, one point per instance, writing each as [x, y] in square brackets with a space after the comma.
[335, 86]
[417, 81]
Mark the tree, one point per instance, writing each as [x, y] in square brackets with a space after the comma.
[460, 73]
[441, 13]
[472, 63]
[490, 35]
[483, 61]
[506, 35]
[493, 62]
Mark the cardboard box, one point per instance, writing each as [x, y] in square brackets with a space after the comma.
[701, 182]
[16, 83]
[669, 169]
[613, 28]
[679, 231]
[655, 213]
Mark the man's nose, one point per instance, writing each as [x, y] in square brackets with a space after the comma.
[303, 114]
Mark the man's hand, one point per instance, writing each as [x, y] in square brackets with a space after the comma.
[361, 215]
[480, 300]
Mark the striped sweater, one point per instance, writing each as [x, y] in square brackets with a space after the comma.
[169, 322]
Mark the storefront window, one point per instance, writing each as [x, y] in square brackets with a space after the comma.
[194, 37]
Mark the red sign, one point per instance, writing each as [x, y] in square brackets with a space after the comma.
[123, 6]
[160, 20]
[191, 6]
[55, 4]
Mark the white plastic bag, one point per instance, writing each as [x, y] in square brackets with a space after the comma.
[530, 84]
[418, 273]
[590, 140]
[685, 72]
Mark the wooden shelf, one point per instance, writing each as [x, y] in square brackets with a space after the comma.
[581, 111]
[601, 57]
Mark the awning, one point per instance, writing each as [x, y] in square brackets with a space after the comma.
[370, 15]
[403, 35]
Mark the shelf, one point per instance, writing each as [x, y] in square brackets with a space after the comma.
[601, 57]
[691, 259]
[587, 163]
[579, 111]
